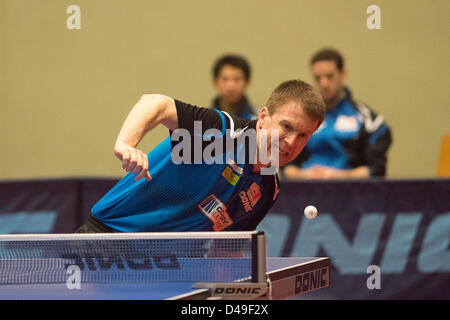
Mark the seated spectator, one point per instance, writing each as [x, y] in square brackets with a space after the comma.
[231, 75]
[352, 141]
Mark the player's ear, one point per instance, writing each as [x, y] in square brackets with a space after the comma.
[262, 117]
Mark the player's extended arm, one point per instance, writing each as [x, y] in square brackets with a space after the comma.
[151, 110]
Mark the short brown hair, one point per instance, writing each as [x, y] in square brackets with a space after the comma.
[329, 54]
[300, 92]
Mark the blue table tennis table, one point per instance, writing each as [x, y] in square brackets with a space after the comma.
[152, 266]
[286, 277]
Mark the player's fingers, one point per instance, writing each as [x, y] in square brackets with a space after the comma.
[142, 167]
[139, 176]
[145, 167]
[133, 161]
[118, 154]
[138, 167]
[125, 160]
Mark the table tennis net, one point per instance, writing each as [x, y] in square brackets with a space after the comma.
[133, 259]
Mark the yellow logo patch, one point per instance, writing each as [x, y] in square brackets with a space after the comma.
[231, 177]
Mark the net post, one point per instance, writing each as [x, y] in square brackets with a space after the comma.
[259, 257]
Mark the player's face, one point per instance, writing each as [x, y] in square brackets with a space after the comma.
[294, 129]
[230, 84]
[328, 79]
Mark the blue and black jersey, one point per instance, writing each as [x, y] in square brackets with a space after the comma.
[350, 136]
[223, 195]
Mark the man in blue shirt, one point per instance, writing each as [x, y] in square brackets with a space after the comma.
[352, 141]
[231, 77]
[177, 186]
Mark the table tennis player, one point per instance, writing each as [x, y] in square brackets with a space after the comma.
[215, 171]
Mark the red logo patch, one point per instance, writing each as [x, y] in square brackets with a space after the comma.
[216, 211]
[254, 193]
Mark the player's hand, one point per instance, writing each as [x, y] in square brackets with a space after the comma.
[133, 160]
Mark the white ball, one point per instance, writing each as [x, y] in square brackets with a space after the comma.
[310, 212]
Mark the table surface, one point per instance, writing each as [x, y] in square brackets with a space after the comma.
[278, 269]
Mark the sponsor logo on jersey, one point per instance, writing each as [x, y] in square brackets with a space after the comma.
[251, 197]
[245, 201]
[230, 176]
[346, 123]
[254, 193]
[237, 133]
[216, 211]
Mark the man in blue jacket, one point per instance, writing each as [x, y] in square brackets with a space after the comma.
[352, 141]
